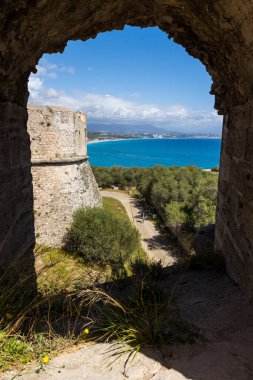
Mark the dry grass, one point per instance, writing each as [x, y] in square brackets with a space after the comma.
[32, 327]
[114, 205]
[130, 313]
[59, 270]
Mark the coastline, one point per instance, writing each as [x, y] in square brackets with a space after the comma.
[109, 140]
[95, 141]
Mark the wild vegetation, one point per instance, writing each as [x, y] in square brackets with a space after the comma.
[118, 176]
[131, 313]
[101, 287]
[184, 198]
[100, 236]
[79, 300]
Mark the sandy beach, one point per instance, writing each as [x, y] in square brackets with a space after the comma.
[107, 140]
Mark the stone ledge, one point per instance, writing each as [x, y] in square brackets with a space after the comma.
[55, 161]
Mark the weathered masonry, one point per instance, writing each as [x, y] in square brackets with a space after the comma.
[62, 177]
[219, 33]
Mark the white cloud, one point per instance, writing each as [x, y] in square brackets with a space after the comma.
[108, 109]
[67, 69]
[46, 69]
[35, 84]
[52, 75]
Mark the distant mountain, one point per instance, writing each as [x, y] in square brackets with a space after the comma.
[127, 128]
[139, 129]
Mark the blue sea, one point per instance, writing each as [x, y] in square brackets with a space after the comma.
[204, 153]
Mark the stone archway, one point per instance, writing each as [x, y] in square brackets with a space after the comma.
[219, 33]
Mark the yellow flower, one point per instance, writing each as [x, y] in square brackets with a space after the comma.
[45, 359]
[8, 316]
[86, 331]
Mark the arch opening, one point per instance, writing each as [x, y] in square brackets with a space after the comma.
[211, 32]
[133, 82]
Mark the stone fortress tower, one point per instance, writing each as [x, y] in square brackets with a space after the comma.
[62, 177]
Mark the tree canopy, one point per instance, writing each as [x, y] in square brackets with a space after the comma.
[185, 198]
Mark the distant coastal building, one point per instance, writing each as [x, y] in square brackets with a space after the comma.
[62, 177]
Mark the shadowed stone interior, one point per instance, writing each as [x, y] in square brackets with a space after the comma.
[219, 33]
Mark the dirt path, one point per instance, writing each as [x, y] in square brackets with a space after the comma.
[156, 245]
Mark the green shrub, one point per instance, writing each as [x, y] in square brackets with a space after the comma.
[175, 215]
[100, 235]
[117, 176]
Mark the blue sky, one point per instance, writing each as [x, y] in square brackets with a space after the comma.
[131, 76]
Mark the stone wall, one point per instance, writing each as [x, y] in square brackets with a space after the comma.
[62, 177]
[234, 216]
[16, 198]
[219, 33]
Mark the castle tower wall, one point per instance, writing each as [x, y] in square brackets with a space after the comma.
[62, 177]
